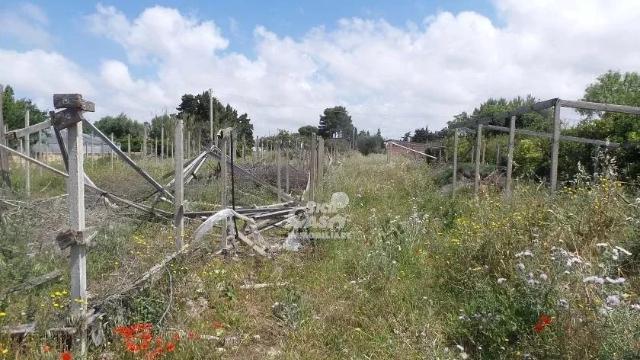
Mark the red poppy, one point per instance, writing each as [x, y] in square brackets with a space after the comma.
[66, 356]
[543, 321]
[191, 335]
[171, 346]
[46, 348]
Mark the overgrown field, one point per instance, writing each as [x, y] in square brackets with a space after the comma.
[420, 275]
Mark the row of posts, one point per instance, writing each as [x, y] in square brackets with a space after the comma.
[477, 159]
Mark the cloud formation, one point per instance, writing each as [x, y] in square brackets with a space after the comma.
[389, 77]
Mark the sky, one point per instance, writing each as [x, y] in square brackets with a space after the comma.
[395, 65]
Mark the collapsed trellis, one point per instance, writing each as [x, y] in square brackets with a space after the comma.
[256, 218]
[555, 136]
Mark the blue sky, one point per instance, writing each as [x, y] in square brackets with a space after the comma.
[236, 19]
[395, 65]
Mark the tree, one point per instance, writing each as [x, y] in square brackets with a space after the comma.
[14, 110]
[334, 122]
[307, 130]
[494, 109]
[368, 144]
[121, 126]
[194, 110]
[615, 88]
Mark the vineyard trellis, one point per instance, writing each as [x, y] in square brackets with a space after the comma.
[222, 149]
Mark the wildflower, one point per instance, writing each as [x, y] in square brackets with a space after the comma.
[66, 356]
[593, 279]
[171, 347]
[543, 321]
[612, 300]
[619, 280]
[635, 307]
[501, 281]
[520, 266]
[2, 314]
[524, 253]
[563, 303]
[543, 277]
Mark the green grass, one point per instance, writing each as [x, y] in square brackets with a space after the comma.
[416, 277]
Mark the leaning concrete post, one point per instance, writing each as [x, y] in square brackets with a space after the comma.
[27, 151]
[179, 183]
[71, 119]
[476, 185]
[455, 163]
[512, 138]
[555, 146]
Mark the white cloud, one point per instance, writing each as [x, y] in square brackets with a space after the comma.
[389, 77]
[27, 24]
[39, 74]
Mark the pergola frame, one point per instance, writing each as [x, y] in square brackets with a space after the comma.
[557, 104]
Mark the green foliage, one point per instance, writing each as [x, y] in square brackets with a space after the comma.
[370, 144]
[14, 110]
[614, 88]
[194, 109]
[494, 109]
[121, 127]
[336, 121]
[308, 130]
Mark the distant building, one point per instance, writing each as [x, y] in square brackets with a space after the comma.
[93, 145]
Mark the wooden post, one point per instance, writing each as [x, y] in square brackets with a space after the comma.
[27, 151]
[476, 185]
[179, 183]
[211, 115]
[279, 170]
[162, 142]
[144, 140]
[555, 146]
[320, 159]
[188, 144]
[4, 155]
[313, 152]
[286, 170]
[512, 139]
[484, 152]
[41, 158]
[455, 163]
[112, 153]
[224, 146]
